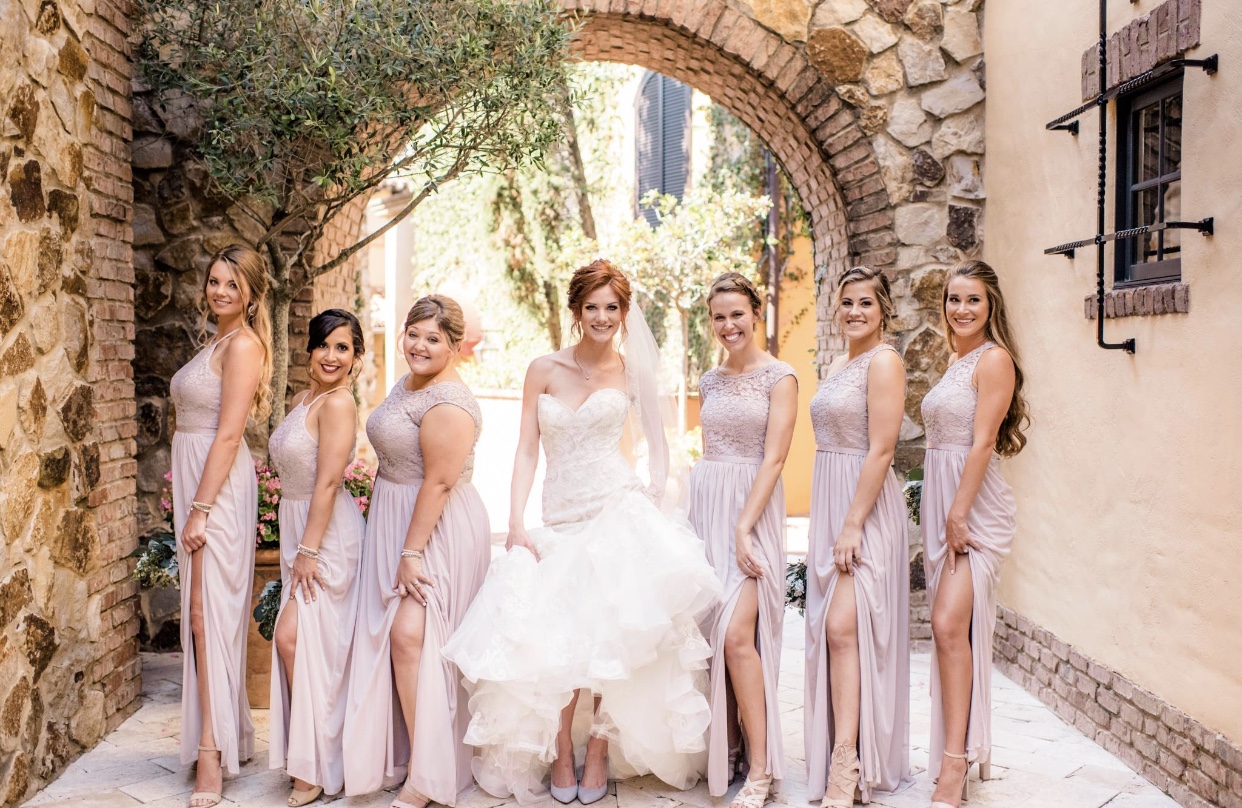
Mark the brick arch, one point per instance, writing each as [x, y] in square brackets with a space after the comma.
[771, 86]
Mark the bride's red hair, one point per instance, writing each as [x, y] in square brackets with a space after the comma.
[596, 275]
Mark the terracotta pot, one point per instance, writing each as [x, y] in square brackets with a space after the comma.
[259, 650]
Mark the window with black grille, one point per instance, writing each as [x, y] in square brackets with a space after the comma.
[663, 139]
[1150, 183]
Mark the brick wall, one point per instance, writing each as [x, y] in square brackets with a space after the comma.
[1196, 766]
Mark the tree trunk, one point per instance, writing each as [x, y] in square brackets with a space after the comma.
[281, 302]
[552, 319]
[586, 217]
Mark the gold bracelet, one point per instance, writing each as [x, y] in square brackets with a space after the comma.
[200, 506]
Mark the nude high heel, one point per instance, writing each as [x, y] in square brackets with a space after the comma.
[844, 773]
[965, 782]
[206, 799]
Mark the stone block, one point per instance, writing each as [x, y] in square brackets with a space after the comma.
[923, 62]
[884, 74]
[965, 177]
[875, 33]
[33, 410]
[24, 111]
[925, 19]
[960, 133]
[77, 412]
[908, 124]
[830, 13]
[26, 191]
[65, 205]
[789, 18]
[963, 227]
[927, 169]
[895, 168]
[837, 54]
[39, 643]
[958, 94]
[890, 10]
[961, 34]
[19, 357]
[920, 224]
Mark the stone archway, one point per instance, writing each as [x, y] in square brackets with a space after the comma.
[772, 87]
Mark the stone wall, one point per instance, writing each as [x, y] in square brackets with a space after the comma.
[68, 662]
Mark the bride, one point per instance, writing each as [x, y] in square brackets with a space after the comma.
[603, 598]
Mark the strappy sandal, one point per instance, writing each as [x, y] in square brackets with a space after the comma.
[299, 798]
[206, 799]
[754, 792]
[844, 773]
[965, 784]
[735, 763]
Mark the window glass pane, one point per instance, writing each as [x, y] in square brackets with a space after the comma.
[1147, 147]
[1172, 134]
[1146, 248]
[1172, 213]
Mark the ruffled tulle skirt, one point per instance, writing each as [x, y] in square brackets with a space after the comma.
[611, 607]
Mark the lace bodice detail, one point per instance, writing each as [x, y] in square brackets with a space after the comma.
[949, 407]
[734, 410]
[295, 454]
[394, 425]
[585, 466]
[839, 408]
[196, 390]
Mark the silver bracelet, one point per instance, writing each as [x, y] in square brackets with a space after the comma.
[303, 550]
[411, 553]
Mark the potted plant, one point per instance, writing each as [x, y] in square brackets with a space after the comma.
[159, 599]
[266, 574]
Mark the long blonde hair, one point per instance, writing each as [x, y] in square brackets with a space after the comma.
[1009, 438]
[250, 273]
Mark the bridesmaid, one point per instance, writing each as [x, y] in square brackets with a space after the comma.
[737, 507]
[215, 508]
[320, 543]
[427, 548]
[974, 416]
[858, 570]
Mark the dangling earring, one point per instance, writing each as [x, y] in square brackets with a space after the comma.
[250, 311]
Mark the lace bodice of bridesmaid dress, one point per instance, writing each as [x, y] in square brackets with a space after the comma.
[585, 466]
[295, 453]
[949, 407]
[839, 409]
[734, 410]
[196, 390]
[393, 427]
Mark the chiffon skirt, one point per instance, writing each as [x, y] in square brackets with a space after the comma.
[611, 608]
[881, 584]
[378, 751]
[718, 491]
[307, 723]
[991, 524]
[228, 578]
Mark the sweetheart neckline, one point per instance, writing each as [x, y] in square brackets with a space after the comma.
[592, 394]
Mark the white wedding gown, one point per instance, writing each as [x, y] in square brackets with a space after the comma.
[611, 607]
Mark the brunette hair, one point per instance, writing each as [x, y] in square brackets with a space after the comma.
[596, 275]
[1009, 439]
[445, 311]
[879, 284]
[736, 283]
[325, 322]
[250, 273]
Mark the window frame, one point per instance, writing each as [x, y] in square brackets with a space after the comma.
[1128, 272]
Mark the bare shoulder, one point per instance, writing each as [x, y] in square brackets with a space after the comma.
[995, 359]
[339, 406]
[886, 364]
[244, 347]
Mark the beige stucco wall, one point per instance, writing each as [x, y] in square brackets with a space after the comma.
[1130, 514]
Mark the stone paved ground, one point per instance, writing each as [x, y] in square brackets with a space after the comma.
[1042, 762]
